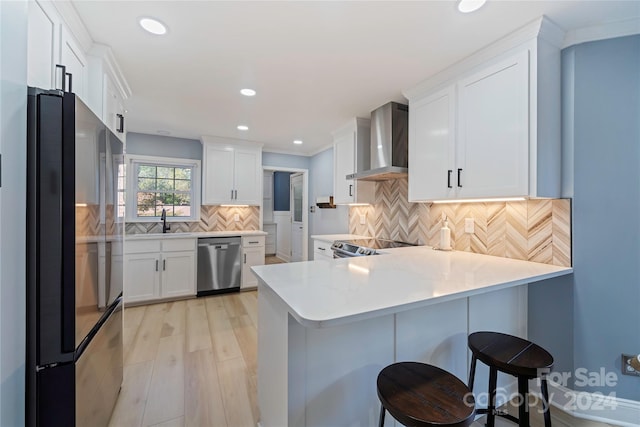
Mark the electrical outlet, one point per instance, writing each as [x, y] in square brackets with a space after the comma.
[469, 225]
[363, 219]
[627, 369]
[236, 217]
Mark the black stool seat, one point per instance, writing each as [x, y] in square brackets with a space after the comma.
[417, 394]
[509, 354]
[514, 356]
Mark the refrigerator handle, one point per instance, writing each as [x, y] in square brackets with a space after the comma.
[63, 76]
[68, 210]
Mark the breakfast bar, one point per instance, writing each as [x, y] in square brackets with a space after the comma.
[328, 327]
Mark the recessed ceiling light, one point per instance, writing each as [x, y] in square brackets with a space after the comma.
[297, 142]
[243, 127]
[466, 6]
[153, 26]
[248, 92]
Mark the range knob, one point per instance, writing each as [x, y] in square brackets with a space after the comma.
[361, 251]
[338, 245]
[368, 252]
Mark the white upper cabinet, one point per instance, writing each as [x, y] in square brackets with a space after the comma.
[432, 146]
[75, 62]
[350, 155]
[108, 89]
[43, 44]
[55, 59]
[489, 127]
[232, 172]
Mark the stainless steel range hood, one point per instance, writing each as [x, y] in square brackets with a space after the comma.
[389, 144]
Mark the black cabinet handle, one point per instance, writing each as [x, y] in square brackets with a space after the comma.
[231, 194]
[322, 249]
[449, 172]
[156, 265]
[70, 81]
[350, 188]
[235, 192]
[62, 77]
[459, 181]
[245, 258]
[120, 123]
[164, 264]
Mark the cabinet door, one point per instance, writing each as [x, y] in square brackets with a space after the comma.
[217, 180]
[251, 256]
[344, 164]
[322, 250]
[432, 147]
[113, 108]
[493, 138]
[178, 274]
[247, 177]
[141, 277]
[72, 57]
[43, 47]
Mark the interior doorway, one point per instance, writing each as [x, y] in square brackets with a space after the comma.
[278, 211]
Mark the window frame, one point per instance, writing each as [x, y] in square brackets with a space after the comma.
[131, 208]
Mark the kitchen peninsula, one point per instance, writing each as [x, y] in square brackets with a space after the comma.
[328, 327]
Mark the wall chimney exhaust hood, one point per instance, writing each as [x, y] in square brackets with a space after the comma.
[389, 144]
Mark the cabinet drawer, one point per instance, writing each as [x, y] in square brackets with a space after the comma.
[141, 246]
[252, 241]
[179, 245]
[322, 247]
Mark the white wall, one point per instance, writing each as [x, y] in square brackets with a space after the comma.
[13, 117]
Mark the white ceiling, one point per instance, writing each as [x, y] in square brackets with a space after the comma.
[314, 65]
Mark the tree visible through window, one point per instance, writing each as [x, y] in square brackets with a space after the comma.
[163, 187]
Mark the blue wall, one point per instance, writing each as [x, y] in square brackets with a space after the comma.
[601, 139]
[606, 206]
[281, 199]
[163, 146]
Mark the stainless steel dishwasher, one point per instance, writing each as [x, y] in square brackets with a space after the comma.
[219, 265]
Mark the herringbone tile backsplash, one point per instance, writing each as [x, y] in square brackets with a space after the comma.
[533, 230]
[212, 218]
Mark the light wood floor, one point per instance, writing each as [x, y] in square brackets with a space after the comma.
[272, 259]
[190, 363]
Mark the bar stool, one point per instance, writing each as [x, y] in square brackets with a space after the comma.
[514, 356]
[421, 395]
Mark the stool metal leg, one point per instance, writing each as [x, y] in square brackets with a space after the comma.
[523, 409]
[545, 402]
[381, 423]
[472, 372]
[493, 384]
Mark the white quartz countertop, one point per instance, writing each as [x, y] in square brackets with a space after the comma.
[332, 292]
[333, 237]
[179, 235]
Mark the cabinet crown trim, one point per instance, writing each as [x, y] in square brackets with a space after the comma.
[540, 28]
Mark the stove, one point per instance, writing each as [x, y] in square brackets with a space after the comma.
[364, 247]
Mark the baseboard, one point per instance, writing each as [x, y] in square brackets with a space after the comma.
[283, 256]
[593, 406]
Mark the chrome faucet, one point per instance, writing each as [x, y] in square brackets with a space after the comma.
[163, 218]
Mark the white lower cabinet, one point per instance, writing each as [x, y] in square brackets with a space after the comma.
[252, 254]
[158, 269]
[322, 250]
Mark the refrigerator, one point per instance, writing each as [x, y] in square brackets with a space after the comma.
[75, 227]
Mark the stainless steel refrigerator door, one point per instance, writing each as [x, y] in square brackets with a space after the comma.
[99, 371]
[219, 264]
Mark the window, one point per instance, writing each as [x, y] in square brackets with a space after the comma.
[158, 184]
